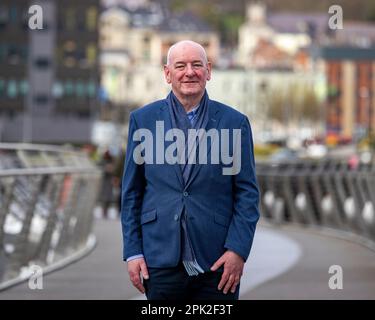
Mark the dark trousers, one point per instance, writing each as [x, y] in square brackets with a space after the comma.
[176, 284]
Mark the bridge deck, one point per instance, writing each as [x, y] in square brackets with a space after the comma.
[286, 263]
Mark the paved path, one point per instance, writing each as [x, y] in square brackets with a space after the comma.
[285, 263]
[308, 279]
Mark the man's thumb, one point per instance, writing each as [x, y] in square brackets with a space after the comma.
[144, 271]
[216, 265]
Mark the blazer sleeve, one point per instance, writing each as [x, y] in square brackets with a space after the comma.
[133, 185]
[246, 198]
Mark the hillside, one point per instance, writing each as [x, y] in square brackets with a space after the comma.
[226, 16]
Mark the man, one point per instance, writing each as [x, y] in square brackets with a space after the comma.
[188, 227]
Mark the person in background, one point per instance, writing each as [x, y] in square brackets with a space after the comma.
[106, 195]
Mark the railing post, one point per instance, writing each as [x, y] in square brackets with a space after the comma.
[46, 208]
[6, 186]
[322, 193]
[20, 255]
[55, 187]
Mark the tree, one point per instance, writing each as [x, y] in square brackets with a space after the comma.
[295, 104]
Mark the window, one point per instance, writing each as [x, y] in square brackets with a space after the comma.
[42, 62]
[59, 54]
[69, 46]
[4, 17]
[81, 57]
[68, 88]
[91, 89]
[2, 87]
[57, 90]
[81, 23]
[60, 22]
[11, 114]
[23, 52]
[13, 14]
[91, 53]
[70, 62]
[12, 90]
[91, 18]
[3, 52]
[24, 87]
[80, 89]
[13, 54]
[69, 49]
[25, 18]
[40, 99]
[70, 19]
[83, 114]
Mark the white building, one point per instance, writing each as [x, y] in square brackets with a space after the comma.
[134, 46]
[288, 32]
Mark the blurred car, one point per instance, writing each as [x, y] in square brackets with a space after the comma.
[284, 154]
[366, 157]
[316, 151]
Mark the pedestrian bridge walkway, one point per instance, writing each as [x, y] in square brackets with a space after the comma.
[315, 215]
[286, 262]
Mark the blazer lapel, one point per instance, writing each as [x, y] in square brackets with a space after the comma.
[163, 115]
[213, 121]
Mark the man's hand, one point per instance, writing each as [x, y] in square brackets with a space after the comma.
[135, 267]
[233, 268]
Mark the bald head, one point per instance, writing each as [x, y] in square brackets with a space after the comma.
[181, 45]
[187, 70]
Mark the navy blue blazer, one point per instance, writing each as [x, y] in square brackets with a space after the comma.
[222, 210]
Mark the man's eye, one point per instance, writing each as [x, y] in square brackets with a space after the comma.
[197, 65]
[180, 67]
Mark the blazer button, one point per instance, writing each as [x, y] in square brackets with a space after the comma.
[176, 217]
[185, 193]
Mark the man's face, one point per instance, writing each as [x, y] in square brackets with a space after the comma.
[187, 71]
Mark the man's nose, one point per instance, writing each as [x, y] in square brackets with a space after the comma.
[189, 70]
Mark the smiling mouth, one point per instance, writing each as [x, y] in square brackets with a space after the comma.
[190, 82]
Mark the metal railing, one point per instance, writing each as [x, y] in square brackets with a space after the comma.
[327, 193]
[47, 197]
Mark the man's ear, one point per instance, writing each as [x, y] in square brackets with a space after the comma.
[167, 74]
[209, 67]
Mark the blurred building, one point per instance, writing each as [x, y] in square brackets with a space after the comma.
[283, 34]
[134, 44]
[249, 91]
[278, 40]
[146, 33]
[49, 77]
[246, 90]
[350, 89]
